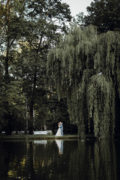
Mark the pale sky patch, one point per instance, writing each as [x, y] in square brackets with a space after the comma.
[77, 6]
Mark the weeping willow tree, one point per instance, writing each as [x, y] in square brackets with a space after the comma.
[86, 69]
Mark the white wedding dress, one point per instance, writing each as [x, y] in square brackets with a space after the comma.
[60, 130]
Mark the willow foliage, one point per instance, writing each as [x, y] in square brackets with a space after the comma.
[86, 69]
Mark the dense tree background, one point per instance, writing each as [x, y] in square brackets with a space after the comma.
[51, 67]
[28, 30]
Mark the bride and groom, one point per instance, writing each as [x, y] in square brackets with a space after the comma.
[59, 142]
[60, 129]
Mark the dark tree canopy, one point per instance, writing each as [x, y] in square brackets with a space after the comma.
[105, 14]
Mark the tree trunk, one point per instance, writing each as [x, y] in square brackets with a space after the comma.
[7, 115]
[31, 117]
[31, 120]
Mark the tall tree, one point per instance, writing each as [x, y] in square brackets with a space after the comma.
[86, 70]
[46, 21]
[11, 19]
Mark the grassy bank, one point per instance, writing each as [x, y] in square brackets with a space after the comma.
[36, 137]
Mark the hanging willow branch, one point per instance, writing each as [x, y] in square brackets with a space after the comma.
[86, 69]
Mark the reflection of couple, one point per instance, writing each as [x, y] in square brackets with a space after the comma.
[60, 129]
[59, 143]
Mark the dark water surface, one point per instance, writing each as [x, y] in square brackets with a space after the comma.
[59, 160]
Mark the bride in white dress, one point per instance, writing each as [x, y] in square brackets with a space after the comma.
[60, 129]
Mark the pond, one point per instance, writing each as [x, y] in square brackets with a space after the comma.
[59, 160]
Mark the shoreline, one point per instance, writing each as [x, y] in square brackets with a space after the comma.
[27, 137]
[37, 137]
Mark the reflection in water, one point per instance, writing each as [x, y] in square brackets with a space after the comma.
[59, 143]
[44, 142]
[95, 161]
[80, 160]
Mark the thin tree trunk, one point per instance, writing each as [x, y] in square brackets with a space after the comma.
[6, 64]
[31, 123]
[31, 126]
